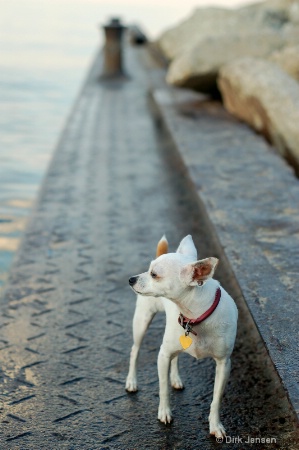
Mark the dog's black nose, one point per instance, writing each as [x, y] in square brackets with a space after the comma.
[132, 280]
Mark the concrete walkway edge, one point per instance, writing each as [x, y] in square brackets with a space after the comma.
[251, 198]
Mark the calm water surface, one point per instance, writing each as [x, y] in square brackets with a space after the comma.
[46, 47]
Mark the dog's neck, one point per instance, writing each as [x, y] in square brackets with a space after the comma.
[196, 300]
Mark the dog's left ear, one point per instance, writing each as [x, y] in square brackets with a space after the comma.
[187, 247]
[199, 271]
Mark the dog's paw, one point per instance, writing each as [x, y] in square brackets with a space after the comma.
[176, 382]
[131, 385]
[164, 414]
[217, 430]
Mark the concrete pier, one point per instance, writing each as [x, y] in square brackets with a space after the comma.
[115, 185]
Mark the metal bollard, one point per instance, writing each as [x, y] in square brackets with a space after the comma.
[113, 60]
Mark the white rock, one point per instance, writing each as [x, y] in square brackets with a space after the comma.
[288, 60]
[202, 23]
[211, 37]
[263, 95]
[198, 66]
[213, 21]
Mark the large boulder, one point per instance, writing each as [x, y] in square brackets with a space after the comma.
[263, 95]
[211, 37]
[204, 22]
[198, 66]
[288, 60]
[210, 22]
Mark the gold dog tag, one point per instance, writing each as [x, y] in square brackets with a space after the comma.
[185, 341]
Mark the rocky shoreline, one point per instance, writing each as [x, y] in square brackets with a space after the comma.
[251, 56]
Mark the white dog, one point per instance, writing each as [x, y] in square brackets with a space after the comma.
[201, 319]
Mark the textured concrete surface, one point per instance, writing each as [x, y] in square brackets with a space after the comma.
[114, 187]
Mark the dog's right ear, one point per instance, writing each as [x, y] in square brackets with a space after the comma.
[199, 271]
[162, 246]
[187, 247]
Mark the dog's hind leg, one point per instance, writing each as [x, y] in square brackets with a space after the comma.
[175, 378]
[144, 313]
[222, 374]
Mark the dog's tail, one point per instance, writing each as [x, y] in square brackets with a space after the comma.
[162, 246]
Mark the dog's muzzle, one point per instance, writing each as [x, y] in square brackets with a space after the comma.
[132, 281]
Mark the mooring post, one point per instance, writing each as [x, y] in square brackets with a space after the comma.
[113, 58]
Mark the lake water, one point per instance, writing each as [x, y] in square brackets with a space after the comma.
[46, 47]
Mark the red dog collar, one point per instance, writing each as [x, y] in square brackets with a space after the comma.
[188, 324]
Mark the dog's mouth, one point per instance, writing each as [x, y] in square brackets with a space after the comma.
[133, 289]
[147, 294]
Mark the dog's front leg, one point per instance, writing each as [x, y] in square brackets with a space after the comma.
[141, 321]
[222, 374]
[164, 412]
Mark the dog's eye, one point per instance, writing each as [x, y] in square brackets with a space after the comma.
[153, 275]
